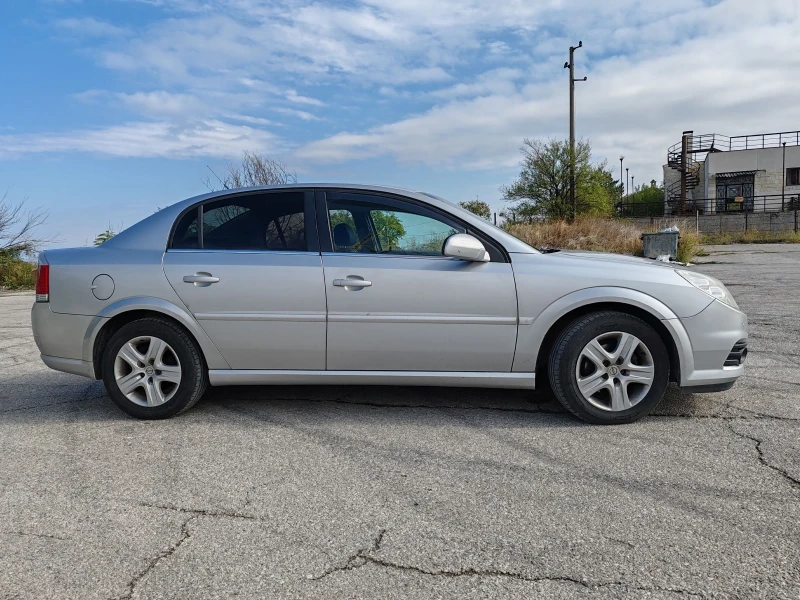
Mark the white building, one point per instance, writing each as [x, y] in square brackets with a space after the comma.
[758, 173]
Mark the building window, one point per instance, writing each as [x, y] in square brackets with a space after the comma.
[793, 176]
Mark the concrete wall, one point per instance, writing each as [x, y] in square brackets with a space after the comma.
[723, 223]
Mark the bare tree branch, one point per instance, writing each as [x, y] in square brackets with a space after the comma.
[255, 169]
[17, 227]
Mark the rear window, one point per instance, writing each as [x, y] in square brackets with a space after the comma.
[257, 222]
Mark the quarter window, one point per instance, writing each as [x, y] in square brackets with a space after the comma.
[396, 228]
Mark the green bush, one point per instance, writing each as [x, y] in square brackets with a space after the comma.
[17, 274]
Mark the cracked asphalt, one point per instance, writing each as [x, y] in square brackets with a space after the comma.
[326, 492]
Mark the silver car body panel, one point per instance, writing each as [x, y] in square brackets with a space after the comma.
[420, 314]
[418, 378]
[266, 311]
[276, 317]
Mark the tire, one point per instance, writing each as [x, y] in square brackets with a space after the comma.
[153, 392]
[577, 366]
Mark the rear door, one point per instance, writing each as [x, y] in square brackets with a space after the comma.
[417, 309]
[251, 275]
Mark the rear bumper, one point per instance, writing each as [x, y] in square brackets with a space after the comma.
[62, 340]
[712, 335]
[70, 365]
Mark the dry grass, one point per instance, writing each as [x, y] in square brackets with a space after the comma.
[752, 236]
[602, 235]
[17, 274]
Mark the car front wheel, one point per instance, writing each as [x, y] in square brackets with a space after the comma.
[609, 367]
[152, 369]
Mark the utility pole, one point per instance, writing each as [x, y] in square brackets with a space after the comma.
[621, 158]
[633, 185]
[627, 182]
[571, 66]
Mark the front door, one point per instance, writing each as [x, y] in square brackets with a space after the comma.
[416, 309]
[252, 277]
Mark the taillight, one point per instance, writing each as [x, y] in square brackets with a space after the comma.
[43, 283]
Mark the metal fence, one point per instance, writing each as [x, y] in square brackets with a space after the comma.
[772, 203]
[730, 222]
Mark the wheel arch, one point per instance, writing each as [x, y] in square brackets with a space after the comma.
[536, 340]
[116, 315]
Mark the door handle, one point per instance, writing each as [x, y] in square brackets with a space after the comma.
[355, 282]
[200, 278]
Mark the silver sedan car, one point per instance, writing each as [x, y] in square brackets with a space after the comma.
[353, 284]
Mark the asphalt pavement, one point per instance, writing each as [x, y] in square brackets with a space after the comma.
[336, 492]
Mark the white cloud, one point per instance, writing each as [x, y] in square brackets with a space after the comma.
[635, 105]
[161, 103]
[293, 96]
[149, 139]
[460, 82]
[88, 26]
[300, 114]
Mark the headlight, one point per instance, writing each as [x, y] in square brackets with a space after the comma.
[710, 286]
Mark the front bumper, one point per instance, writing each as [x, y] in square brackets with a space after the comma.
[712, 334]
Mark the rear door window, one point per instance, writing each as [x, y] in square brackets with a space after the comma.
[259, 222]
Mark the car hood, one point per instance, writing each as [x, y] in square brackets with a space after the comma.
[608, 257]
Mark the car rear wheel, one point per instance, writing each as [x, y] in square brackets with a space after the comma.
[609, 367]
[152, 369]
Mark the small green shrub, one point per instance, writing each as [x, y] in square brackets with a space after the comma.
[17, 274]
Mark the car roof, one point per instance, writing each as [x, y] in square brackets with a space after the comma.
[153, 232]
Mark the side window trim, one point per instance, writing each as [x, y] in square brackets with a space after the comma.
[497, 252]
[309, 217]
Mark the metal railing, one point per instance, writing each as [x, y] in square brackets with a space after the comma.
[770, 203]
[715, 142]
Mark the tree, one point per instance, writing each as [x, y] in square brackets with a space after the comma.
[542, 188]
[478, 207]
[105, 236]
[17, 228]
[388, 226]
[645, 200]
[255, 169]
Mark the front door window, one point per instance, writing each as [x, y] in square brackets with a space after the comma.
[371, 227]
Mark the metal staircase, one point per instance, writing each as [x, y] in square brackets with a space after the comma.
[692, 168]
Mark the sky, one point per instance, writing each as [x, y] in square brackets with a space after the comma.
[110, 109]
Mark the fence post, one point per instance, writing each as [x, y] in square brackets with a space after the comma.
[795, 220]
[745, 218]
[720, 223]
[696, 221]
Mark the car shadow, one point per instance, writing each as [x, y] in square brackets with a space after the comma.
[90, 402]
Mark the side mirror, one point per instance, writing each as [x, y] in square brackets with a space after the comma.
[465, 247]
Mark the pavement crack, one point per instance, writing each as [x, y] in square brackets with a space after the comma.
[153, 562]
[200, 512]
[38, 535]
[366, 556]
[762, 459]
[620, 541]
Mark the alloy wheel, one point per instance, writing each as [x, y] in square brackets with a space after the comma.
[147, 371]
[615, 371]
